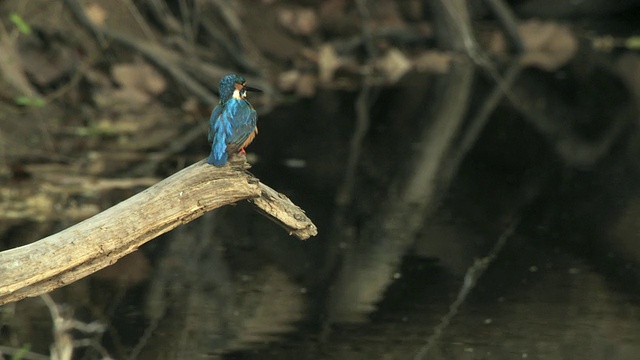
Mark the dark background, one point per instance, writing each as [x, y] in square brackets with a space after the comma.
[472, 169]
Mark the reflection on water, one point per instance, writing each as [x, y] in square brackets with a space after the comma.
[560, 288]
[563, 286]
[536, 302]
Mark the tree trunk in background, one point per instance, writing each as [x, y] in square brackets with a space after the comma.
[370, 264]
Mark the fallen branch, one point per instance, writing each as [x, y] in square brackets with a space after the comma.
[101, 240]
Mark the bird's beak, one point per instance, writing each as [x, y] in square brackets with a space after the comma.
[248, 88]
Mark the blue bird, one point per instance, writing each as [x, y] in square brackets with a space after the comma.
[232, 125]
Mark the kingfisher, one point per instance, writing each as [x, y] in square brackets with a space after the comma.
[233, 122]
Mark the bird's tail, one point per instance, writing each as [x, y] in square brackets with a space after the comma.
[218, 161]
[218, 156]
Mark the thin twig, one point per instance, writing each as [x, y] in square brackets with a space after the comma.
[185, 13]
[62, 347]
[345, 193]
[63, 325]
[160, 56]
[473, 49]
[245, 48]
[509, 22]
[460, 17]
[470, 280]
[146, 29]
[478, 122]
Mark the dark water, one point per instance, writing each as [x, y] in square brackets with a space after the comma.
[563, 286]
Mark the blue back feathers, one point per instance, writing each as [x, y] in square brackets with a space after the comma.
[232, 125]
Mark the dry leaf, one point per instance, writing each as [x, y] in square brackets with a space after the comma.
[328, 63]
[548, 45]
[96, 13]
[433, 61]
[287, 80]
[300, 21]
[306, 85]
[394, 65]
[139, 82]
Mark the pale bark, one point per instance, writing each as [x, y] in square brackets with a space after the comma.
[101, 240]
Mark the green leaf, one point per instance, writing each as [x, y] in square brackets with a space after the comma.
[30, 101]
[19, 22]
[18, 355]
[633, 43]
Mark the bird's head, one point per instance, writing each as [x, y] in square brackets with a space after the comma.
[233, 85]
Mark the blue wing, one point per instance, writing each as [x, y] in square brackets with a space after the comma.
[232, 126]
[215, 114]
[243, 126]
[219, 132]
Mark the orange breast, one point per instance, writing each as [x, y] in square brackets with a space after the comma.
[249, 138]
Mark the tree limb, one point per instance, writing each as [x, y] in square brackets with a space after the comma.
[279, 209]
[101, 240]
